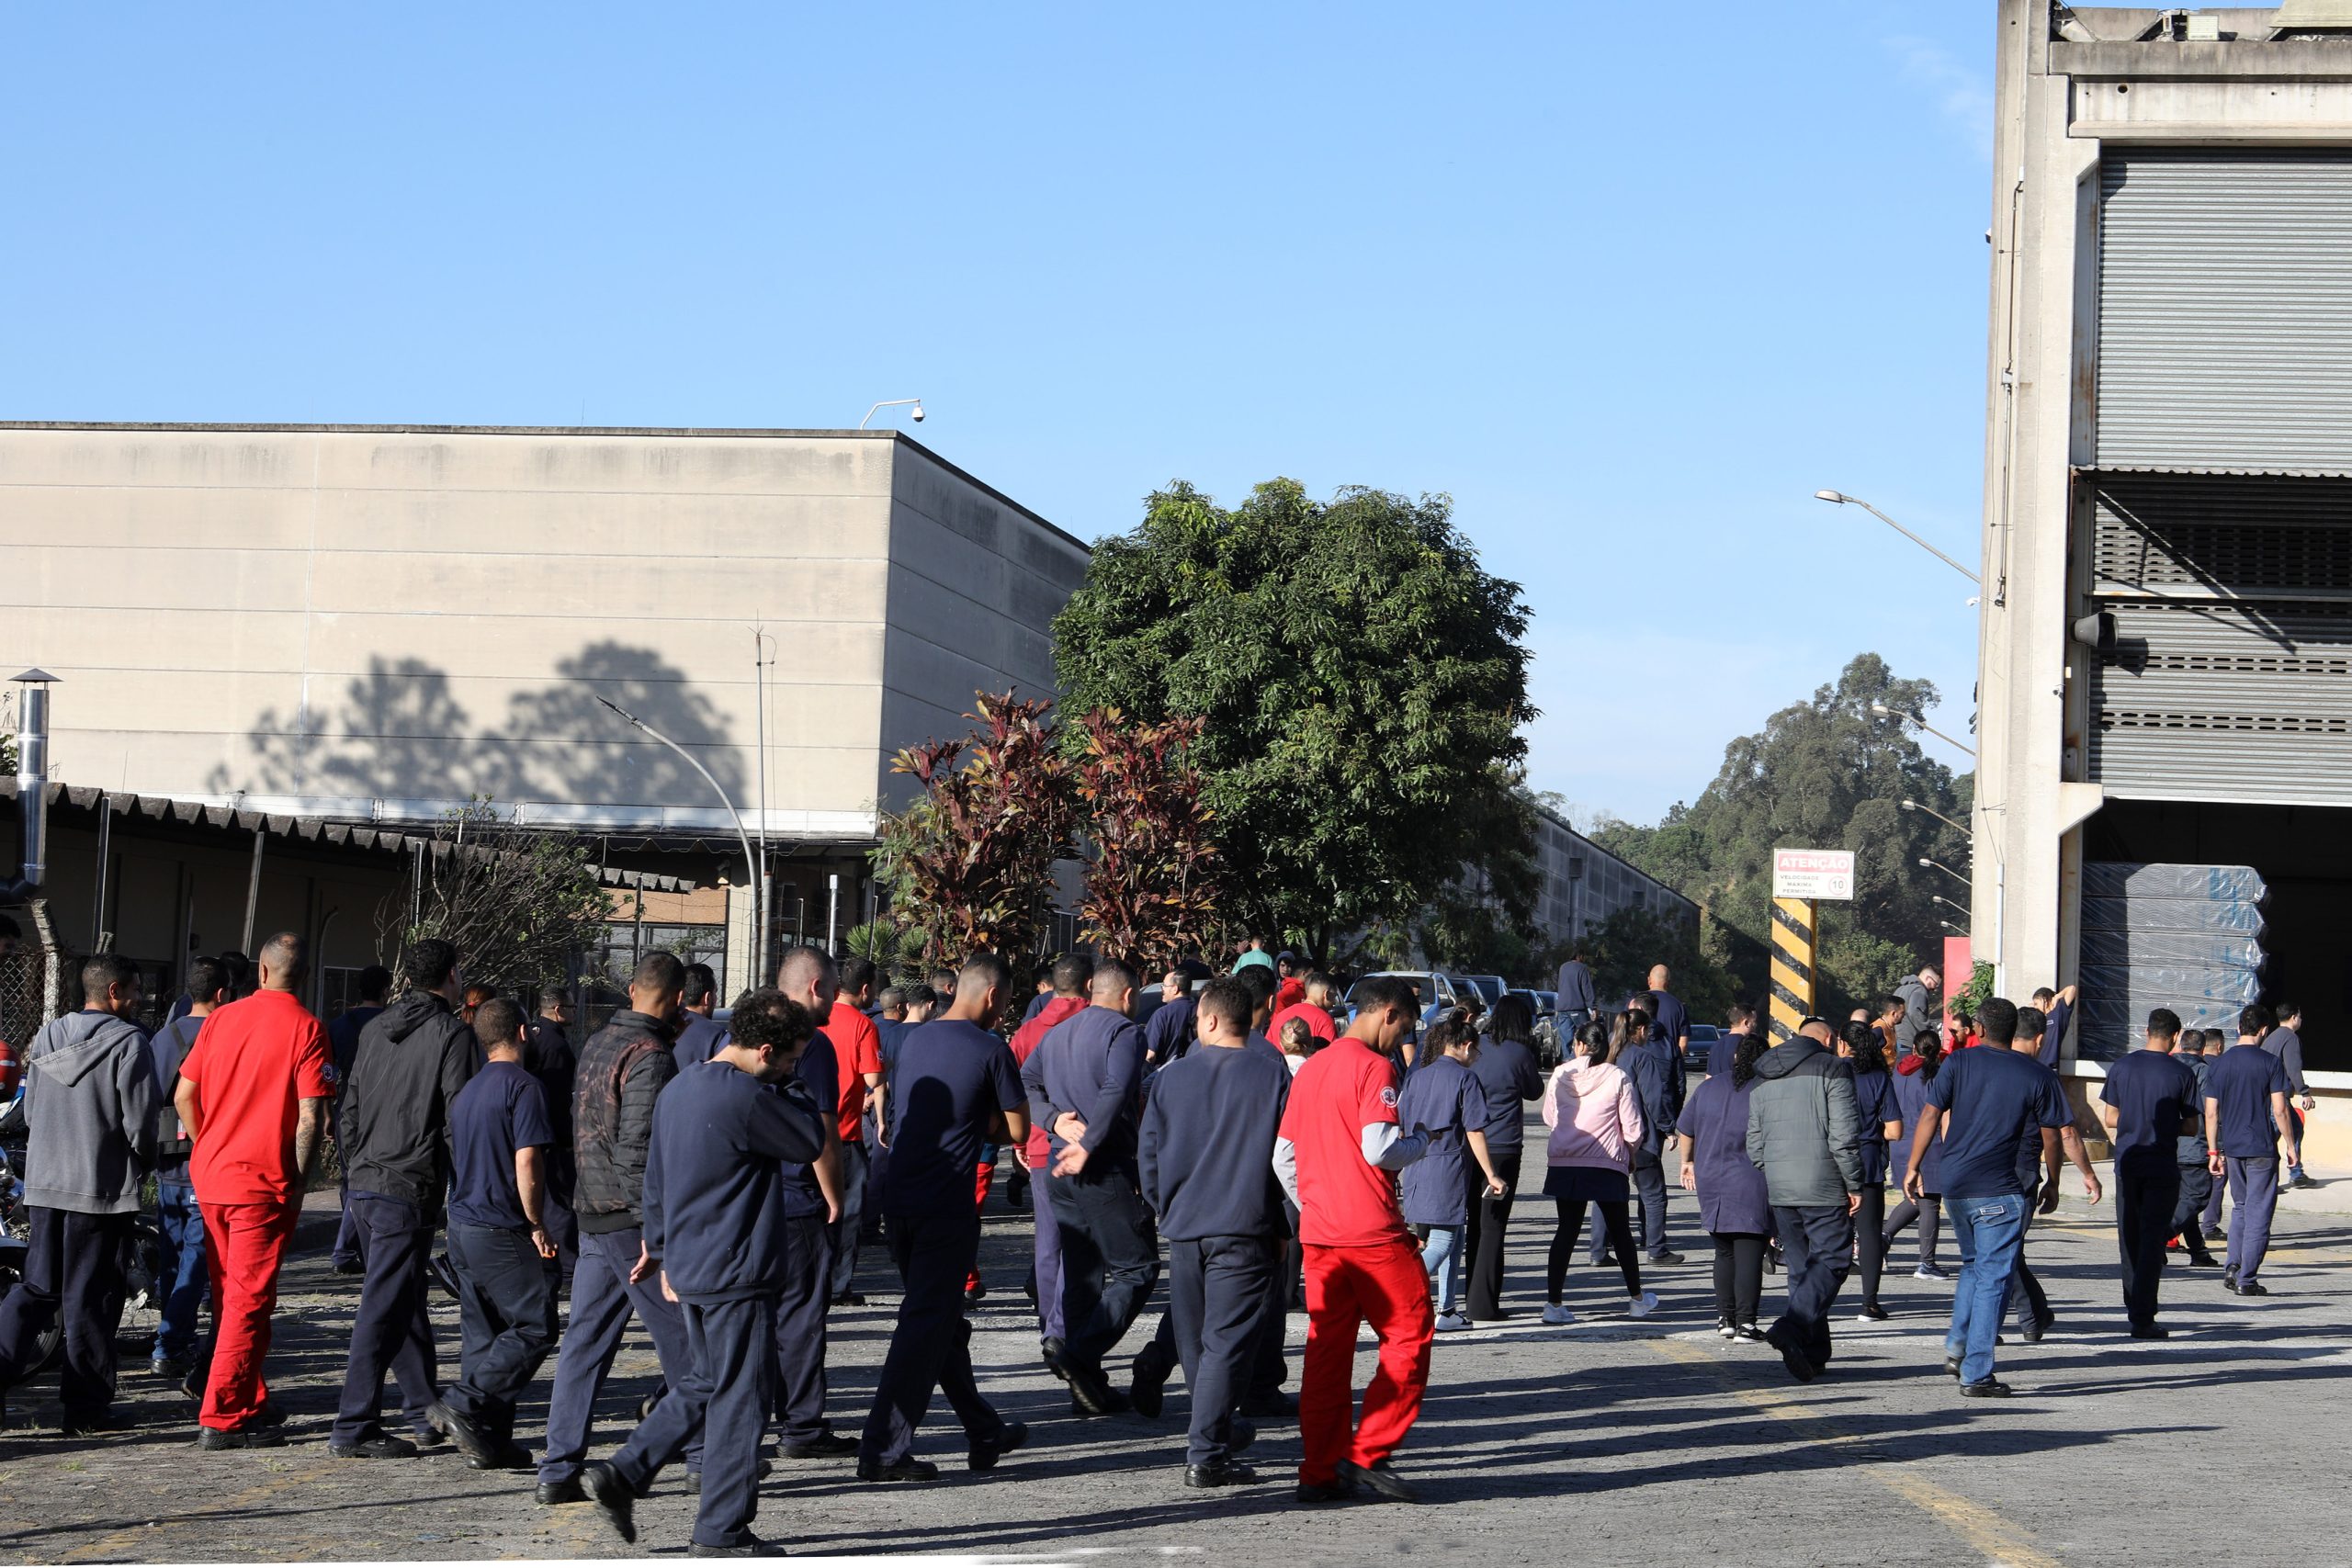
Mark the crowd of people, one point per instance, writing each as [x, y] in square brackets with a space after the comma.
[714, 1179]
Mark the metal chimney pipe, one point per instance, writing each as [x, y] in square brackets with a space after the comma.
[32, 784]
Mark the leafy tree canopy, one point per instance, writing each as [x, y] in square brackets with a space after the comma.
[1360, 682]
[1826, 773]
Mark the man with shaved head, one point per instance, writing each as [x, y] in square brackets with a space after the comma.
[812, 1200]
[1085, 1085]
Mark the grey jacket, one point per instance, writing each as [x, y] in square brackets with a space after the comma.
[90, 1107]
[1920, 1011]
[1803, 1128]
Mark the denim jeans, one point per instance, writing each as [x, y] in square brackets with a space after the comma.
[1441, 1255]
[1989, 1231]
[180, 1282]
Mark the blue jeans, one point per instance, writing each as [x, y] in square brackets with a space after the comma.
[1991, 1231]
[180, 1280]
[1441, 1255]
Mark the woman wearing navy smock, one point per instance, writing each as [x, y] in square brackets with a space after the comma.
[1913, 1076]
[1733, 1204]
[1882, 1119]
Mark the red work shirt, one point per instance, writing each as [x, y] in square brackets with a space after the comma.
[857, 1051]
[1343, 1200]
[252, 1062]
[1040, 1150]
[1289, 994]
[1318, 1024]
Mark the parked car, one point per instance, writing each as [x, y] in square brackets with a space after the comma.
[1547, 1029]
[1703, 1042]
[1435, 989]
[1490, 987]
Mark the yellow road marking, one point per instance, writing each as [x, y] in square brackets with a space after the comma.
[1997, 1537]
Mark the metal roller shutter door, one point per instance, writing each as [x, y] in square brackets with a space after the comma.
[2225, 308]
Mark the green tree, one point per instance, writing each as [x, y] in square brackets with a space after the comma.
[1622, 948]
[521, 906]
[1828, 774]
[1153, 870]
[1359, 682]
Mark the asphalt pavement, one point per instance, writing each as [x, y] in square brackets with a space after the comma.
[1610, 1441]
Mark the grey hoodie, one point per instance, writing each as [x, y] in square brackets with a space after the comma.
[90, 1103]
[1805, 1129]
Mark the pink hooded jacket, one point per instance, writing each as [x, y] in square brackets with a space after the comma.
[1595, 1116]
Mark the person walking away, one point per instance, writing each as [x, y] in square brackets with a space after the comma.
[1649, 1060]
[1338, 1146]
[1734, 1205]
[375, 983]
[813, 1201]
[500, 1134]
[1573, 996]
[1741, 1023]
[1864, 1049]
[2188, 1158]
[2039, 1176]
[1804, 1133]
[723, 1131]
[548, 1057]
[623, 1071]
[1073, 973]
[698, 1032]
[1919, 993]
[1084, 1083]
[1509, 1077]
[2286, 1043]
[1913, 1074]
[91, 1105]
[1983, 1102]
[413, 1060]
[1205, 1160]
[2216, 1045]
[1442, 1103]
[179, 1223]
[1595, 1116]
[2148, 1100]
[1312, 1008]
[857, 1060]
[2246, 1108]
[1670, 1021]
[958, 1089]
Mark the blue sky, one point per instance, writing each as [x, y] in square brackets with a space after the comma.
[1629, 290]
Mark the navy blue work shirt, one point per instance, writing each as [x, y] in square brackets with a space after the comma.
[502, 1110]
[954, 1079]
[2243, 1079]
[1994, 1099]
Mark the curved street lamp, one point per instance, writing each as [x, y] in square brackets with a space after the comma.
[1946, 870]
[1839, 498]
[1885, 712]
[1915, 806]
[751, 863]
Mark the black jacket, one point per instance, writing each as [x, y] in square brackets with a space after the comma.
[626, 1065]
[412, 1060]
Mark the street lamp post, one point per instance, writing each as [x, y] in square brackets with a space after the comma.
[1960, 910]
[1915, 806]
[1837, 498]
[1885, 712]
[1945, 869]
[750, 862]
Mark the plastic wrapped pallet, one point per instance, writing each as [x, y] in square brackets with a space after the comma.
[2171, 915]
[2140, 948]
[2219, 883]
[2175, 988]
[2112, 1025]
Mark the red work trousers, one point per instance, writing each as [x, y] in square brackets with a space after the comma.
[982, 1176]
[1347, 1286]
[243, 1245]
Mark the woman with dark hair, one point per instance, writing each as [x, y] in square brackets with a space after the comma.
[1733, 1204]
[1507, 1070]
[1881, 1120]
[1596, 1121]
[1912, 1076]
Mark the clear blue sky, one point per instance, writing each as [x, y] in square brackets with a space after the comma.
[1629, 282]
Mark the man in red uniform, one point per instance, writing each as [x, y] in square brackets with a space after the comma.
[1313, 1006]
[252, 1098]
[1339, 1145]
[857, 1056]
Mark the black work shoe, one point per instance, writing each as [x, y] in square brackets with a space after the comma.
[212, 1439]
[1274, 1406]
[92, 1423]
[1874, 1312]
[2204, 1261]
[749, 1546]
[2033, 1331]
[1985, 1388]
[1382, 1478]
[2149, 1331]
[828, 1445]
[2215, 1233]
[507, 1456]
[2230, 1277]
[2250, 1287]
[1666, 1258]
[1792, 1357]
[908, 1469]
[349, 1266]
[613, 1497]
[1338, 1491]
[429, 1439]
[1952, 1365]
[1107, 1401]
[694, 1477]
[1055, 1353]
[480, 1451]
[984, 1455]
[1150, 1372]
[1219, 1472]
[555, 1494]
[374, 1445]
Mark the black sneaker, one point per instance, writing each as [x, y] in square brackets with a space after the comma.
[1666, 1258]
[2204, 1261]
[749, 1546]
[1219, 1472]
[1985, 1388]
[212, 1439]
[1873, 1313]
[1150, 1378]
[908, 1469]
[374, 1445]
[2215, 1233]
[984, 1455]
[2149, 1331]
[1382, 1478]
[1748, 1333]
[1338, 1491]
[556, 1494]
[828, 1445]
[613, 1497]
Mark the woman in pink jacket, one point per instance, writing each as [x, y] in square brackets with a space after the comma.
[1596, 1121]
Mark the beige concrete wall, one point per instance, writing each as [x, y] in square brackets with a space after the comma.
[373, 622]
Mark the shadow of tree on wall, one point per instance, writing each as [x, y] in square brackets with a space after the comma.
[401, 733]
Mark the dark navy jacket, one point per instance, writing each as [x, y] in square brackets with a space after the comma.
[1091, 1062]
[1657, 1083]
[714, 1179]
[1206, 1145]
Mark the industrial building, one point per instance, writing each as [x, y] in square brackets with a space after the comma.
[1581, 884]
[2166, 674]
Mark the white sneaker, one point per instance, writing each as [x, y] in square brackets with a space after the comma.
[1644, 1305]
[1449, 1322]
[1556, 1314]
